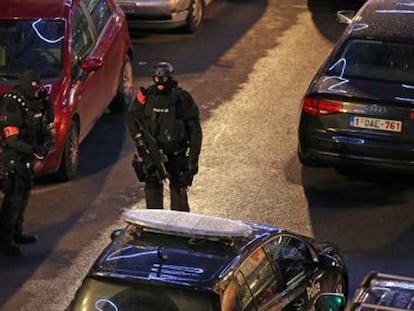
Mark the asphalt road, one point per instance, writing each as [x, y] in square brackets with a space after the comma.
[247, 68]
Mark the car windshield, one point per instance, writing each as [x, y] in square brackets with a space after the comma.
[113, 295]
[31, 44]
[375, 60]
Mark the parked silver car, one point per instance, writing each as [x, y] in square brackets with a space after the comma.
[164, 14]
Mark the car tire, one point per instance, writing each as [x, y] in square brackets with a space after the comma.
[70, 159]
[125, 89]
[195, 16]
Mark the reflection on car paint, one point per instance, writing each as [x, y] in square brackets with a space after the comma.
[407, 86]
[407, 99]
[333, 87]
[410, 100]
[169, 272]
[358, 27]
[395, 11]
[340, 61]
[42, 37]
[115, 256]
[346, 139]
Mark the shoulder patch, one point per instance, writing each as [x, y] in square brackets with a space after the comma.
[140, 97]
[10, 131]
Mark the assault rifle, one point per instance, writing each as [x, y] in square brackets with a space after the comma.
[152, 161]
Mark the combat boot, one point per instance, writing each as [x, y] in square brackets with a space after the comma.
[25, 238]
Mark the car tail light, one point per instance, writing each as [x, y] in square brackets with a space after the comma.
[412, 116]
[317, 107]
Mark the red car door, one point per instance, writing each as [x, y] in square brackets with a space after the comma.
[86, 77]
[110, 48]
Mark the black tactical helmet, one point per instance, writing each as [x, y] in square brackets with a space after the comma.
[163, 69]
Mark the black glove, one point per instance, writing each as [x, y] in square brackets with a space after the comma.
[40, 152]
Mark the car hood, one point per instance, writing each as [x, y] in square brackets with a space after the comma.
[365, 89]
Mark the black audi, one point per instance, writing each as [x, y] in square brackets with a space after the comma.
[359, 107]
[170, 260]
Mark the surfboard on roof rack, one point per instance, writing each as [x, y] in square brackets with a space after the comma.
[187, 224]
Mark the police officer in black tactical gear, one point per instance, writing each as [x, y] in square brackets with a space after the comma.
[26, 130]
[165, 115]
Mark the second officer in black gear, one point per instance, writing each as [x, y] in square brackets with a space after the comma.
[26, 122]
[167, 113]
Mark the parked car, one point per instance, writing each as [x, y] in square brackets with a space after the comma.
[82, 51]
[170, 260]
[359, 108]
[377, 291]
[164, 14]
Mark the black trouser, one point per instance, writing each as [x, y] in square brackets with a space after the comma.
[178, 192]
[17, 186]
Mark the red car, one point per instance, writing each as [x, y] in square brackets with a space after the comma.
[83, 53]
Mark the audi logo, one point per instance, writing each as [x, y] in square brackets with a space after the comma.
[376, 109]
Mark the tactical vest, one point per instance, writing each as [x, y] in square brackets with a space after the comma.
[163, 118]
[31, 118]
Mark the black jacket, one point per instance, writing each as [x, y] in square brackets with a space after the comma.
[171, 117]
[29, 116]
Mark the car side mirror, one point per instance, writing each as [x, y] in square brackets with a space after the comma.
[330, 302]
[116, 233]
[91, 64]
[345, 16]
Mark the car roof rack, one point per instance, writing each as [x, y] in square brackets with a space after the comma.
[192, 225]
[382, 280]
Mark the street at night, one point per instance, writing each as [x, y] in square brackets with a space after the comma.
[247, 68]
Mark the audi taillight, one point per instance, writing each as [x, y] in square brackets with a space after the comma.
[317, 107]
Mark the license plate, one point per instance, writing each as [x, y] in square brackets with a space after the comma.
[376, 124]
[128, 8]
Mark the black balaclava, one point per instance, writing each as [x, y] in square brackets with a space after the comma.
[25, 83]
[168, 86]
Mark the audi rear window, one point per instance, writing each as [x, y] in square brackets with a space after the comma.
[375, 60]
